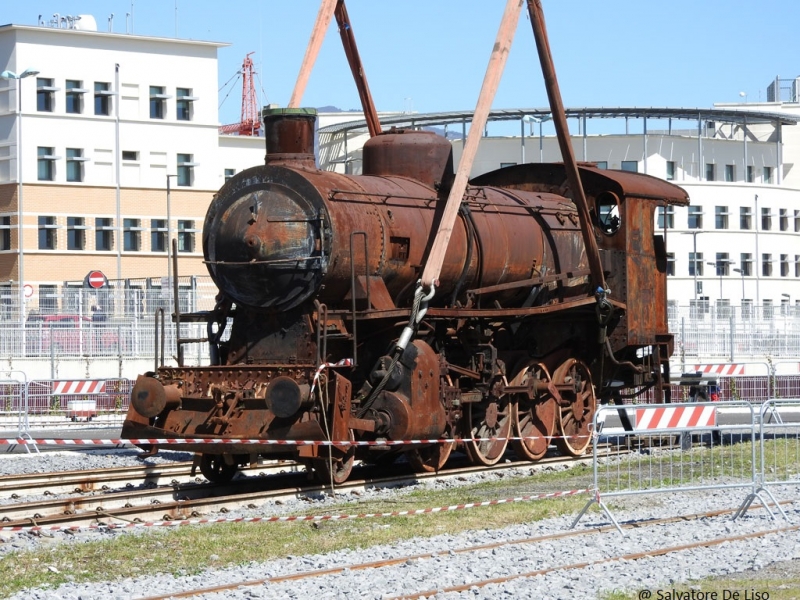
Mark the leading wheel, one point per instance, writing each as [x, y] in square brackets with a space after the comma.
[489, 425]
[576, 412]
[534, 420]
[215, 469]
[334, 465]
[429, 459]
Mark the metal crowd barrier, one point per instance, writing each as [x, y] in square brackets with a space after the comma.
[14, 398]
[779, 444]
[710, 455]
[77, 399]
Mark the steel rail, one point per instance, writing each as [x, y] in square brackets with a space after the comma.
[65, 482]
[174, 503]
[592, 563]
[430, 555]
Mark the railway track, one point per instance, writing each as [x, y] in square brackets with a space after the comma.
[184, 501]
[399, 560]
[103, 480]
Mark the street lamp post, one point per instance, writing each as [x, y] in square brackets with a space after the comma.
[719, 267]
[742, 274]
[21, 266]
[169, 233]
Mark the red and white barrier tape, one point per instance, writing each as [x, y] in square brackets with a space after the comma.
[259, 442]
[345, 362]
[397, 513]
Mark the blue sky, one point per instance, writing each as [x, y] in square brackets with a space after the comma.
[430, 55]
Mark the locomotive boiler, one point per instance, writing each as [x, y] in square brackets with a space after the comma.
[317, 274]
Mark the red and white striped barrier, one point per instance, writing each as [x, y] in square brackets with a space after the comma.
[727, 370]
[675, 417]
[252, 441]
[80, 386]
[396, 513]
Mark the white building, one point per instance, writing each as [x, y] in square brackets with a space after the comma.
[737, 244]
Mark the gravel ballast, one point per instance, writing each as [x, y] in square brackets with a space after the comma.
[449, 568]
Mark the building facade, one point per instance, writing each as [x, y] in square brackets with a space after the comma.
[89, 146]
[735, 248]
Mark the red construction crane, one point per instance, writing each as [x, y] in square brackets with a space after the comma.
[250, 123]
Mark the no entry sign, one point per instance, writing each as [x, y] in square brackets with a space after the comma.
[96, 279]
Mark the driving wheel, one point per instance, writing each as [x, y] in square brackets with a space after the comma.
[576, 411]
[534, 419]
[489, 425]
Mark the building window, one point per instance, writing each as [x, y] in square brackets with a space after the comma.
[769, 311]
[670, 170]
[669, 211]
[130, 155]
[750, 174]
[184, 103]
[723, 308]
[104, 234]
[797, 221]
[730, 173]
[229, 173]
[45, 94]
[783, 219]
[75, 93]
[75, 161]
[747, 264]
[186, 233]
[102, 98]
[695, 217]
[745, 217]
[185, 169]
[158, 101]
[670, 263]
[722, 264]
[76, 236]
[46, 164]
[158, 235]
[796, 264]
[767, 175]
[747, 308]
[766, 265]
[131, 235]
[766, 219]
[47, 233]
[5, 233]
[601, 164]
[721, 217]
[630, 165]
[784, 307]
[784, 265]
[696, 264]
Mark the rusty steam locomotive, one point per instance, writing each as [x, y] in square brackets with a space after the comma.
[317, 270]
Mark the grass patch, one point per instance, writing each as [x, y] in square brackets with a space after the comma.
[189, 550]
[780, 581]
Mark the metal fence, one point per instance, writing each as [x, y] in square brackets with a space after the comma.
[735, 333]
[780, 442]
[72, 320]
[682, 447]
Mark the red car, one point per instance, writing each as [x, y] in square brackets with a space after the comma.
[70, 335]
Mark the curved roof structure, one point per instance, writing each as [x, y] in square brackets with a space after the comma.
[724, 115]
